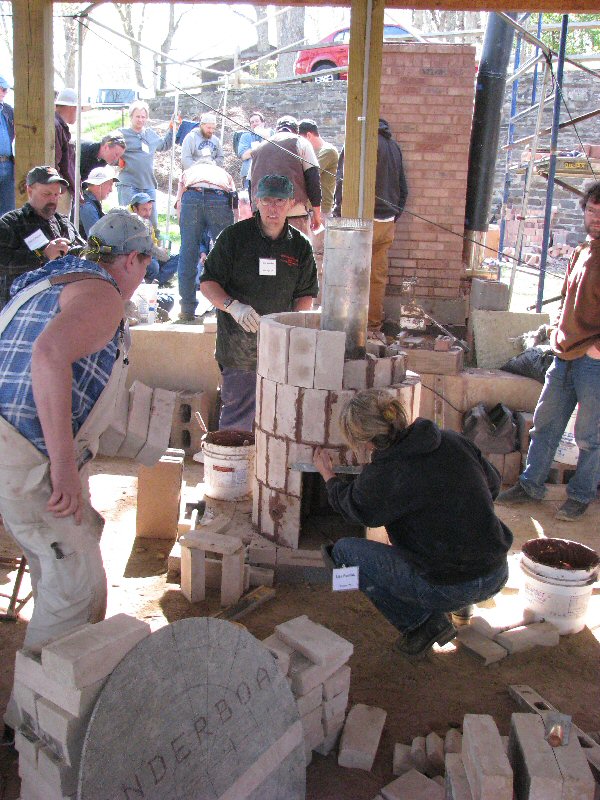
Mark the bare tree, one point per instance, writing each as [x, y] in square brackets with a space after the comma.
[290, 29]
[6, 33]
[124, 10]
[262, 36]
[67, 12]
[167, 43]
[440, 21]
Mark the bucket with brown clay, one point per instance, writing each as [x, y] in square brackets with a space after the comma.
[228, 464]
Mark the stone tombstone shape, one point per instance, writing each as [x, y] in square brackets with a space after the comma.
[196, 711]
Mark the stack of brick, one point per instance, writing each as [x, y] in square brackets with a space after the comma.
[303, 383]
[186, 431]
[55, 696]
[314, 660]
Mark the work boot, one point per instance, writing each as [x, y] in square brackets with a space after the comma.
[417, 643]
[463, 615]
[515, 496]
[571, 509]
[188, 318]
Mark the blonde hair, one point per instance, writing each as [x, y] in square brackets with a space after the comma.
[139, 105]
[372, 415]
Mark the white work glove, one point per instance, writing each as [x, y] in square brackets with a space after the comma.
[245, 316]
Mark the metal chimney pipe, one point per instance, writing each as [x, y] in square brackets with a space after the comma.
[485, 132]
[346, 274]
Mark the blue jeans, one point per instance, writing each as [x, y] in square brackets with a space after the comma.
[125, 193]
[7, 186]
[161, 272]
[567, 383]
[238, 399]
[405, 598]
[202, 215]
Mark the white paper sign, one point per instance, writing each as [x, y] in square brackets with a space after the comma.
[267, 266]
[36, 240]
[145, 147]
[345, 579]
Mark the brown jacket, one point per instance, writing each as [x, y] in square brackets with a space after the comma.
[578, 320]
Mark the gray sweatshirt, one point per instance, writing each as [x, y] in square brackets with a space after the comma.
[139, 156]
[196, 149]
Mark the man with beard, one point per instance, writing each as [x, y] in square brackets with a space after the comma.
[34, 234]
[201, 146]
[573, 378]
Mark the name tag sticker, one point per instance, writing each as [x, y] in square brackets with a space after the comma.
[205, 151]
[267, 266]
[345, 579]
[145, 147]
[36, 240]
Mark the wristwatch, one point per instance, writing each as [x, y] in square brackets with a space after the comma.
[227, 303]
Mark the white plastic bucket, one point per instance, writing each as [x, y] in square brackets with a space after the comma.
[567, 451]
[228, 468]
[558, 579]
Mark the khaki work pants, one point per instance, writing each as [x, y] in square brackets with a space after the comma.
[383, 236]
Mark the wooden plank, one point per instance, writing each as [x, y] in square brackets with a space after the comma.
[249, 602]
[568, 7]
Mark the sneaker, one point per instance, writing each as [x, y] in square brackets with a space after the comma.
[516, 494]
[571, 509]
[417, 643]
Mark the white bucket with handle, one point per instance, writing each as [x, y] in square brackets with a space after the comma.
[228, 464]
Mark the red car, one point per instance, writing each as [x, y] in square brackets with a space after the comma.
[332, 51]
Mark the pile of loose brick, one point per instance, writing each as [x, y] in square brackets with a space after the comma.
[55, 694]
[314, 660]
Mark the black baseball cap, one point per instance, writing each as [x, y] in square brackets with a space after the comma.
[45, 174]
[275, 186]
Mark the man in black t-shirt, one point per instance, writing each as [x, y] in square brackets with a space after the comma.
[107, 151]
[260, 265]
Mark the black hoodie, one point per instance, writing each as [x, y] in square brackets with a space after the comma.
[433, 491]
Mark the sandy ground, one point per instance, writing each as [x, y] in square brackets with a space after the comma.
[431, 696]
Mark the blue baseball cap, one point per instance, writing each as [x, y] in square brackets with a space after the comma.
[4, 84]
[141, 197]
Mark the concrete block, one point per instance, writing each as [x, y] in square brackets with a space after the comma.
[53, 771]
[457, 784]
[276, 462]
[493, 331]
[338, 683]
[280, 651]
[286, 410]
[434, 746]
[232, 579]
[265, 415]
[301, 357]
[489, 295]
[312, 420]
[309, 702]
[88, 655]
[159, 498]
[316, 642]
[537, 776]
[361, 736]
[29, 671]
[193, 573]
[27, 745]
[453, 741]
[329, 361]
[114, 436]
[516, 640]
[140, 401]
[336, 707]
[338, 401]
[488, 770]
[485, 650]
[211, 541]
[305, 675]
[186, 431]
[402, 759]
[25, 699]
[159, 427]
[414, 785]
[62, 732]
[355, 374]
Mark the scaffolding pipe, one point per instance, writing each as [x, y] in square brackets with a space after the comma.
[535, 69]
[511, 134]
[552, 166]
[78, 128]
[172, 164]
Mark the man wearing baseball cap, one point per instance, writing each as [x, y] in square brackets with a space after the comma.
[258, 266]
[7, 161]
[63, 356]
[201, 145]
[96, 188]
[291, 155]
[65, 114]
[36, 232]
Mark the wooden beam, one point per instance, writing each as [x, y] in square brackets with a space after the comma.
[364, 78]
[34, 87]
[566, 7]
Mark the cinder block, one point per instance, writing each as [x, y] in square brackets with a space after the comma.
[537, 776]
[355, 374]
[159, 498]
[434, 746]
[414, 785]
[114, 436]
[280, 650]
[457, 784]
[62, 732]
[193, 573]
[232, 580]
[338, 683]
[286, 413]
[301, 357]
[305, 675]
[453, 741]
[265, 415]
[140, 401]
[516, 640]
[312, 421]
[484, 649]
[88, 655]
[159, 427]
[402, 759]
[276, 462]
[360, 737]
[316, 642]
[329, 361]
[488, 771]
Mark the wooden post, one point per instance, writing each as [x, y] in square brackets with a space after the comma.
[364, 78]
[34, 88]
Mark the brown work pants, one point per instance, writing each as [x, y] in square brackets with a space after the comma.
[383, 236]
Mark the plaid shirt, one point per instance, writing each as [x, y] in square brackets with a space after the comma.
[90, 374]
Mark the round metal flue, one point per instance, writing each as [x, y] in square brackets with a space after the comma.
[346, 273]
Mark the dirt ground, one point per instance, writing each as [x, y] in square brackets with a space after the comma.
[430, 696]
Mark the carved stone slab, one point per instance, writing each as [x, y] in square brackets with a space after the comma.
[196, 711]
